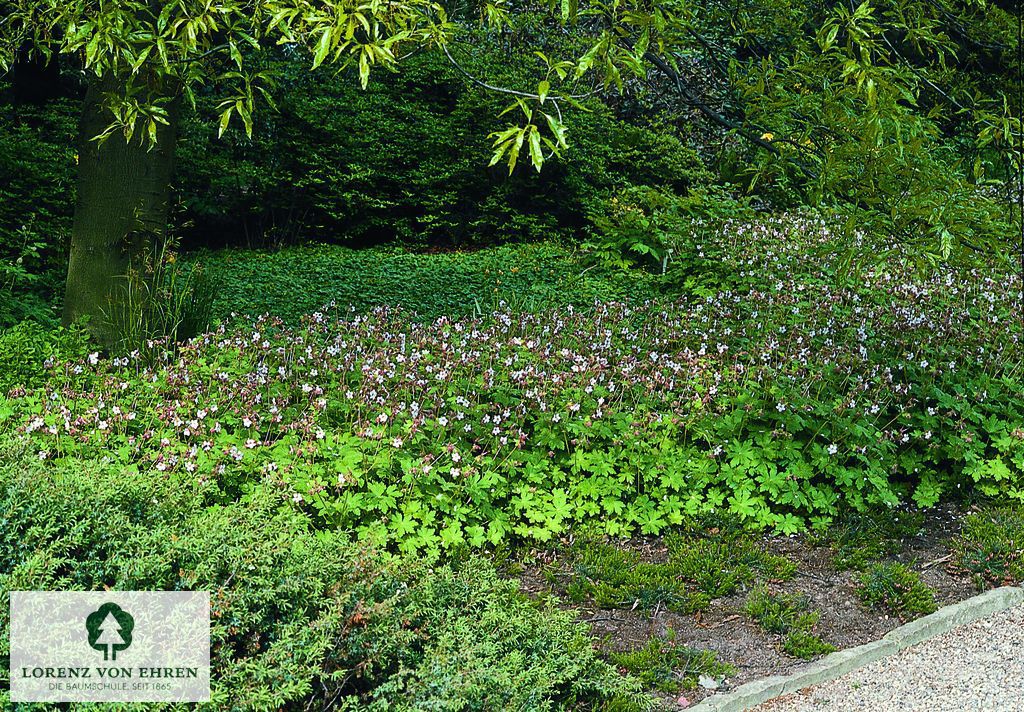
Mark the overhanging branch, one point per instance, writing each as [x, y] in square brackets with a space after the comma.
[720, 119]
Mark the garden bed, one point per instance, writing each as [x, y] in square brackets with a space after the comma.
[825, 579]
[623, 452]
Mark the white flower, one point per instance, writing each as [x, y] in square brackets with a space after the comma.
[833, 449]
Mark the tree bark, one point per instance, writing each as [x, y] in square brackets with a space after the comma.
[123, 202]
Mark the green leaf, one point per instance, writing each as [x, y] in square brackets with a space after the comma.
[513, 151]
[235, 54]
[536, 154]
[557, 130]
[322, 48]
[225, 119]
[364, 68]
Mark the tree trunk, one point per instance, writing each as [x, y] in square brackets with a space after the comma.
[123, 201]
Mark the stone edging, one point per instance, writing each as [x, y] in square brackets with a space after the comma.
[838, 664]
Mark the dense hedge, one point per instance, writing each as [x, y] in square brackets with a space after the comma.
[37, 165]
[28, 348]
[299, 620]
[298, 281]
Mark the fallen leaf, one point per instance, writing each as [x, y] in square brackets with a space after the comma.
[708, 683]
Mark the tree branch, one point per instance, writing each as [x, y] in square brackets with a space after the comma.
[554, 98]
[720, 119]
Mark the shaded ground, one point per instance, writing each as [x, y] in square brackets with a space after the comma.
[724, 628]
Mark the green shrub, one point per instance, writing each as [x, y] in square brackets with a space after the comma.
[668, 667]
[897, 588]
[990, 546]
[485, 646]
[614, 577]
[298, 619]
[661, 231]
[86, 527]
[405, 160]
[700, 566]
[717, 564]
[777, 613]
[801, 643]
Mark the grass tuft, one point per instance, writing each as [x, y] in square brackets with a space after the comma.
[897, 588]
[788, 615]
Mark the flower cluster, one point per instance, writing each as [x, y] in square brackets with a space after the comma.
[777, 399]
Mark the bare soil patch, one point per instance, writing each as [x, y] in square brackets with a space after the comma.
[724, 628]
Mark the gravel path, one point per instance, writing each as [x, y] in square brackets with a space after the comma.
[978, 666]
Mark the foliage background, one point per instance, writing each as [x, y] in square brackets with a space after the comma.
[403, 162]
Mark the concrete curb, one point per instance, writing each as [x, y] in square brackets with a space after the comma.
[838, 664]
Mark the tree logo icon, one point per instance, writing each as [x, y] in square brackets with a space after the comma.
[110, 629]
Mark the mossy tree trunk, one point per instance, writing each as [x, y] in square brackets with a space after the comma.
[124, 190]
